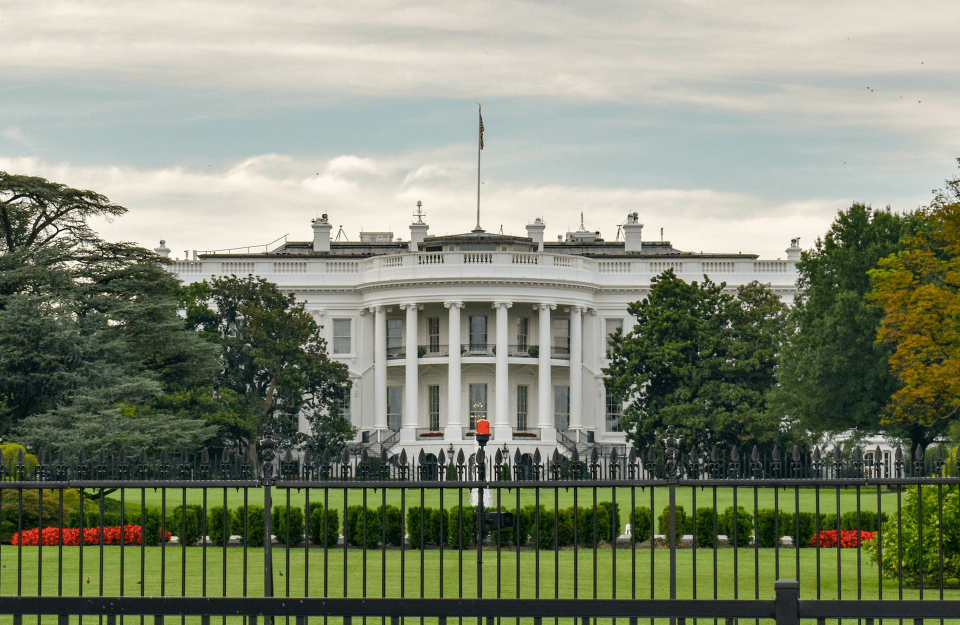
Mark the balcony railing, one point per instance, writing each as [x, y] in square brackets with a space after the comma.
[478, 349]
[433, 351]
[523, 351]
[562, 353]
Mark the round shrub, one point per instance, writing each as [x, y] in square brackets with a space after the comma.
[219, 525]
[248, 523]
[320, 519]
[737, 525]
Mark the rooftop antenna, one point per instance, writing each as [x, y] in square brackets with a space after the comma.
[619, 231]
[661, 235]
[419, 214]
[501, 228]
[341, 233]
[582, 227]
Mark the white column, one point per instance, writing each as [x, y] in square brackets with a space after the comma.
[453, 430]
[548, 428]
[411, 402]
[576, 367]
[501, 424]
[380, 367]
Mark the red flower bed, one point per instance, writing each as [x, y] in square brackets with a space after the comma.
[128, 534]
[848, 538]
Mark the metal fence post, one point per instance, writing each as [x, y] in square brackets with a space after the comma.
[786, 603]
[267, 455]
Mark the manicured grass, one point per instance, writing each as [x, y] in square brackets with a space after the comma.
[788, 500]
[584, 573]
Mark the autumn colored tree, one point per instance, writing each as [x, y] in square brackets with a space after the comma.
[918, 291]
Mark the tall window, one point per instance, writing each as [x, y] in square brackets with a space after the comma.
[433, 334]
[561, 336]
[341, 336]
[522, 393]
[433, 393]
[343, 405]
[612, 325]
[478, 403]
[394, 338]
[478, 333]
[614, 412]
[523, 333]
[394, 407]
[561, 407]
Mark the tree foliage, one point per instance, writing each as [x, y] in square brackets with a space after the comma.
[90, 337]
[700, 358]
[834, 376]
[274, 360]
[918, 290]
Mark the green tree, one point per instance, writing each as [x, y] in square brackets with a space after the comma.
[90, 336]
[274, 360]
[700, 358]
[918, 291]
[834, 376]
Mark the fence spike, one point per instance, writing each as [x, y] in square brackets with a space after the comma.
[594, 456]
[441, 457]
[345, 457]
[614, 456]
[325, 458]
[460, 458]
[575, 455]
[422, 458]
[836, 454]
[796, 453]
[364, 456]
[632, 456]
[714, 454]
[204, 456]
[42, 456]
[651, 454]
[383, 455]
[403, 457]
[918, 454]
[224, 457]
[858, 454]
[816, 454]
[556, 457]
[734, 454]
[498, 459]
[537, 458]
[898, 454]
[3, 461]
[517, 458]
[22, 457]
[288, 456]
[939, 453]
[755, 454]
[775, 454]
[184, 459]
[307, 459]
[143, 455]
[165, 457]
[877, 455]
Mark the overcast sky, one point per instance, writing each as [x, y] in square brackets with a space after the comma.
[734, 126]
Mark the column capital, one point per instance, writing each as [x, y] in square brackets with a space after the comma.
[411, 305]
[544, 306]
[502, 304]
[318, 312]
[453, 304]
[583, 309]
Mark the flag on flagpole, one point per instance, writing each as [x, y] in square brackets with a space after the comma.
[481, 131]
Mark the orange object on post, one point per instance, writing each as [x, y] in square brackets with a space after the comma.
[483, 426]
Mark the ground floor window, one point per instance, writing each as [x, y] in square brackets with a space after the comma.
[433, 394]
[614, 412]
[394, 407]
[522, 394]
[343, 405]
[561, 407]
[478, 403]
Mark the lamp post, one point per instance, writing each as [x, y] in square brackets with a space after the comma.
[482, 436]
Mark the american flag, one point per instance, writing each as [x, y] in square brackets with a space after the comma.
[481, 131]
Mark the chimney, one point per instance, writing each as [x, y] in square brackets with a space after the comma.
[535, 232]
[163, 251]
[631, 234]
[418, 229]
[321, 234]
[793, 252]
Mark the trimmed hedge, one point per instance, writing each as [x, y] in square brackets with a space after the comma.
[319, 516]
[220, 522]
[292, 534]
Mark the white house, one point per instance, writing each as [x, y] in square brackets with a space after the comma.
[439, 331]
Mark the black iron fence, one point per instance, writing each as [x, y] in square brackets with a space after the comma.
[671, 533]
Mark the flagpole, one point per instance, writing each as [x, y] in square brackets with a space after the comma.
[479, 148]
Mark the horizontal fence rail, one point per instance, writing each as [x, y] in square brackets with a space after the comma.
[672, 532]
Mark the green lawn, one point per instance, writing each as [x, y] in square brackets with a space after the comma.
[654, 498]
[193, 571]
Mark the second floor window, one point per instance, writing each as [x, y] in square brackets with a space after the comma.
[433, 333]
[342, 336]
[523, 332]
[394, 337]
[561, 336]
[612, 325]
[478, 333]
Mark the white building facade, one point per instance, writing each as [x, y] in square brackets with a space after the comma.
[440, 331]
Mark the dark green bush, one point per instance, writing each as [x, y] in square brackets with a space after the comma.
[248, 523]
[462, 532]
[220, 522]
[684, 523]
[641, 524]
[279, 519]
[540, 524]
[188, 527]
[151, 526]
[868, 520]
[704, 519]
[364, 527]
[431, 524]
[319, 516]
[737, 525]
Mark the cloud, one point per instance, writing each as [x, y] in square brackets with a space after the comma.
[259, 199]
[13, 133]
[812, 58]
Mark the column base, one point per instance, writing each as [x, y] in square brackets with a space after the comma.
[408, 434]
[502, 434]
[548, 434]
